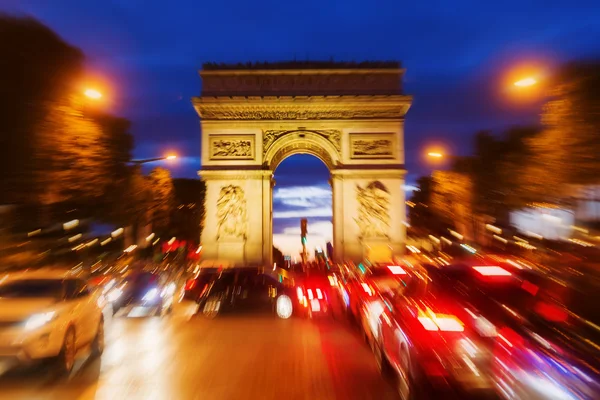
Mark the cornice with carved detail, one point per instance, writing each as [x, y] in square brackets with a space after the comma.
[302, 108]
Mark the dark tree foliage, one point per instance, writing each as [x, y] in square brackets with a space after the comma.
[419, 211]
[188, 214]
[496, 170]
[37, 67]
[567, 151]
[58, 151]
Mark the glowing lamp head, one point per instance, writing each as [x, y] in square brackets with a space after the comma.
[93, 94]
[526, 82]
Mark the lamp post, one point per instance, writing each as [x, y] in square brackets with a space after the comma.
[148, 160]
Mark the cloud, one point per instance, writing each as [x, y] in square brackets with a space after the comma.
[316, 212]
[302, 202]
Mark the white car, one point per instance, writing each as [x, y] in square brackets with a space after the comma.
[48, 314]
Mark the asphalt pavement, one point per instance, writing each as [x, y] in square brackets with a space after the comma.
[230, 357]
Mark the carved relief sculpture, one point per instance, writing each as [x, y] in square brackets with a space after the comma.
[231, 148]
[373, 212]
[231, 212]
[372, 146]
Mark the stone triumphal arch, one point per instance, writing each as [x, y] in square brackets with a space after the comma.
[351, 116]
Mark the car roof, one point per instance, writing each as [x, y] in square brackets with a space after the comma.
[41, 274]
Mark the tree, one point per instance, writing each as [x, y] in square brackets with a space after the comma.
[162, 200]
[452, 199]
[566, 152]
[134, 200]
[419, 213]
[38, 68]
[188, 215]
[496, 170]
[55, 147]
[74, 155]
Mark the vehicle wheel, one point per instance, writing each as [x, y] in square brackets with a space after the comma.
[403, 382]
[98, 343]
[382, 363]
[211, 307]
[66, 358]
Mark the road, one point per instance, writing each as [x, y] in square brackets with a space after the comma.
[230, 357]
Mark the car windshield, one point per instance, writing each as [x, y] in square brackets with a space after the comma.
[41, 288]
[144, 279]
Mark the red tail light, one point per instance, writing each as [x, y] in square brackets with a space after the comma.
[530, 288]
[440, 322]
[492, 271]
[310, 294]
[396, 270]
[300, 293]
[189, 285]
[449, 323]
[428, 324]
[319, 294]
[367, 289]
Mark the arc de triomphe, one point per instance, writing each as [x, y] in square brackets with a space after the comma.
[351, 116]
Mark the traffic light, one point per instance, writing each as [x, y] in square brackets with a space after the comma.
[303, 230]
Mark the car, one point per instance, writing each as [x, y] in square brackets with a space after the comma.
[362, 294]
[315, 295]
[142, 293]
[426, 343]
[216, 291]
[542, 349]
[49, 314]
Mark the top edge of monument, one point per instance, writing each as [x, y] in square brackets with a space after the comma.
[301, 65]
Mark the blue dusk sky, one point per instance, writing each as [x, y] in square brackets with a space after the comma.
[457, 55]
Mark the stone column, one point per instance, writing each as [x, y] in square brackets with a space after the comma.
[350, 243]
[338, 216]
[252, 235]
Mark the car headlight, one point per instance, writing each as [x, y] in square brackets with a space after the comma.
[114, 295]
[152, 294]
[169, 290]
[38, 320]
[284, 307]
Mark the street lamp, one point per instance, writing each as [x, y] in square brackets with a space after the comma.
[148, 160]
[435, 154]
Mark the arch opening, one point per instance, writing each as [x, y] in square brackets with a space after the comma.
[302, 190]
[302, 142]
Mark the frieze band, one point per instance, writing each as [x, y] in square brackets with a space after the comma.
[292, 113]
